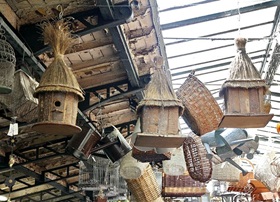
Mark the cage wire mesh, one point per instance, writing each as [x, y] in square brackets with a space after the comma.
[102, 174]
[7, 64]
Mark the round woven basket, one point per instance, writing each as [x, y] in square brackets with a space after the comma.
[145, 188]
[201, 111]
[130, 168]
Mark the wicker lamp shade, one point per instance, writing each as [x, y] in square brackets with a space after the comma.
[58, 91]
[7, 66]
[244, 93]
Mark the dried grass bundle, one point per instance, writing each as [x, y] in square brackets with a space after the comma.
[58, 36]
[58, 76]
[159, 91]
[243, 73]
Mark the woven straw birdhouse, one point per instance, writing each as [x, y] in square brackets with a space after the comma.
[159, 112]
[244, 93]
[58, 92]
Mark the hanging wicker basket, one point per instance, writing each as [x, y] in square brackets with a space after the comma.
[145, 188]
[199, 167]
[226, 172]
[201, 111]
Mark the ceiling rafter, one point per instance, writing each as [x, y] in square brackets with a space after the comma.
[219, 15]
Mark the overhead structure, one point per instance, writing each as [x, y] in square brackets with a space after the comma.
[244, 93]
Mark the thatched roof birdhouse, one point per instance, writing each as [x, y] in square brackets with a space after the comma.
[244, 93]
[58, 91]
[159, 112]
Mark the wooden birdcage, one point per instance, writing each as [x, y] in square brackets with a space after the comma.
[244, 93]
[58, 92]
[159, 112]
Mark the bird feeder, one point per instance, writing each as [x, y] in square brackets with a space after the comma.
[244, 93]
[58, 92]
[7, 65]
[159, 112]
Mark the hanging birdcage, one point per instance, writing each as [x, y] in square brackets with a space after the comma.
[7, 64]
[103, 174]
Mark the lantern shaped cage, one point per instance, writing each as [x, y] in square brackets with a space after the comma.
[7, 65]
[102, 174]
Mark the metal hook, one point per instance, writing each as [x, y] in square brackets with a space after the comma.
[60, 9]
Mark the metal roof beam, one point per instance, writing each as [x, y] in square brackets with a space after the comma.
[210, 66]
[219, 15]
[53, 183]
[220, 33]
[121, 45]
[271, 70]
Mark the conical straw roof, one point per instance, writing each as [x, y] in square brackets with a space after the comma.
[242, 73]
[159, 91]
[58, 76]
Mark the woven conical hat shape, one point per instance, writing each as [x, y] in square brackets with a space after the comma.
[159, 91]
[58, 76]
[242, 72]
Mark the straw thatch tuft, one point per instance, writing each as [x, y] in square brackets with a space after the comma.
[58, 77]
[243, 73]
[159, 91]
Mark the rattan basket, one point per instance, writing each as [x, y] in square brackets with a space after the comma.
[202, 112]
[145, 188]
[181, 186]
[226, 172]
[199, 167]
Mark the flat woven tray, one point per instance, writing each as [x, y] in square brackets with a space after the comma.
[202, 112]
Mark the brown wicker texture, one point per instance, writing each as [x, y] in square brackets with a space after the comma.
[226, 171]
[149, 156]
[199, 167]
[202, 112]
[181, 186]
[145, 188]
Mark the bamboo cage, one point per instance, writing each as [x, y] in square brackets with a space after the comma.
[244, 93]
[58, 91]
